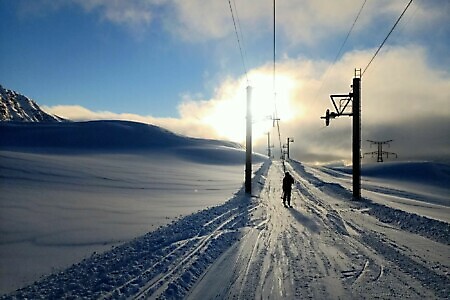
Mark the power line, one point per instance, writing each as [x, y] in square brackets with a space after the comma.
[275, 117]
[239, 42]
[349, 32]
[338, 55]
[240, 30]
[385, 39]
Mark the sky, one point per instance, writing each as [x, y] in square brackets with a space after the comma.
[178, 64]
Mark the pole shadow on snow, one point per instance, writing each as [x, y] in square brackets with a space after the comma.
[309, 223]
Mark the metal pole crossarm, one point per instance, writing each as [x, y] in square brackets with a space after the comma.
[343, 98]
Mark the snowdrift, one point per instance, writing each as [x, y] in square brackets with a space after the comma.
[93, 135]
[421, 172]
[115, 137]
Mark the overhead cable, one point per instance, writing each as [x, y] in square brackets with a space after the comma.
[275, 117]
[338, 55]
[239, 42]
[384, 41]
[240, 31]
[349, 32]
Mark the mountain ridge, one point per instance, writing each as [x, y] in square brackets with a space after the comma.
[19, 108]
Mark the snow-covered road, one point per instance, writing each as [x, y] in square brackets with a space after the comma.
[324, 247]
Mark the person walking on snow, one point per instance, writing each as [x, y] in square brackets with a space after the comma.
[288, 181]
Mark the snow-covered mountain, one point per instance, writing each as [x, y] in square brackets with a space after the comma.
[19, 108]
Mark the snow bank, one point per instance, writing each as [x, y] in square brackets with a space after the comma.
[433, 229]
[116, 137]
[423, 172]
[94, 135]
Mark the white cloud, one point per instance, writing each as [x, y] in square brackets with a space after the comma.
[199, 20]
[402, 99]
[186, 125]
[298, 22]
[133, 13]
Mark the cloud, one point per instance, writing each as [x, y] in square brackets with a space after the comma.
[199, 20]
[135, 15]
[403, 99]
[187, 125]
[299, 23]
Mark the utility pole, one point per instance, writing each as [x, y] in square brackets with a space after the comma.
[269, 146]
[356, 156]
[340, 110]
[289, 140]
[248, 145]
[379, 153]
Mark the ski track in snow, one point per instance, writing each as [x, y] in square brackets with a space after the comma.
[324, 247]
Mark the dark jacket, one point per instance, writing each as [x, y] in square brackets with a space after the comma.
[288, 180]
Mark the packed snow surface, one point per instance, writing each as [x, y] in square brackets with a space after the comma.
[174, 223]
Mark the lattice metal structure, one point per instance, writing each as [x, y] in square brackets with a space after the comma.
[379, 153]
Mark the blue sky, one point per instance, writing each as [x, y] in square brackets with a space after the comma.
[176, 64]
[70, 56]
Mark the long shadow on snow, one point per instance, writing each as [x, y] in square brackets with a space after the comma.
[426, 227]
[304, 220]
[125, 270]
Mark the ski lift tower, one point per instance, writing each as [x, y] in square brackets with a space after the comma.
[341, 103]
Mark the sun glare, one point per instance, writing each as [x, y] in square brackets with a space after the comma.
[228, 116]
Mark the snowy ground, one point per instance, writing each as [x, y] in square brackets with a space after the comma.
[324, 247]
[56, 210]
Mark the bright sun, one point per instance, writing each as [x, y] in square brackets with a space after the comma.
[228, 115]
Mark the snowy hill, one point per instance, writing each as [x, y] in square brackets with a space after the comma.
[19, 108]
[419, 172]
[114, 136]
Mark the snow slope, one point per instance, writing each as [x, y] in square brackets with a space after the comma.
[71, 189]
[421, 188]
[96, 136]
